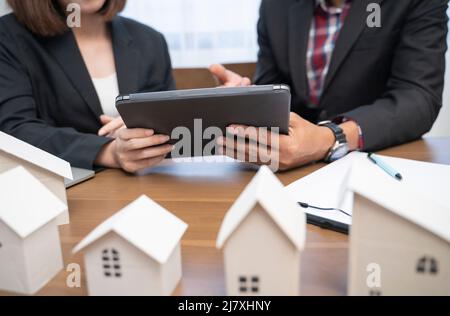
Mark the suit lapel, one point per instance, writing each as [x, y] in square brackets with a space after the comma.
[300, 19]
[126, 58]
[352, 29]
[66, 52]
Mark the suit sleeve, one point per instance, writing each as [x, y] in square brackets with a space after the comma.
[169, 79]
[413, 97]
[267, 71]
[19, 115]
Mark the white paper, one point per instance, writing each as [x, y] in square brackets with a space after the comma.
[326, 187]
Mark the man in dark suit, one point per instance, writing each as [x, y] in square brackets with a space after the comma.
[373, 70]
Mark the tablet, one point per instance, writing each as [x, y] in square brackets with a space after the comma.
[196, 111]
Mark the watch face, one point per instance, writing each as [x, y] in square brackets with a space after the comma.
[340, 152]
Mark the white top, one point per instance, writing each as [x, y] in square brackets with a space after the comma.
[26, 205]
[144, 224]
[107, 90]
[367, 180]
[34, 155]
[268, 191]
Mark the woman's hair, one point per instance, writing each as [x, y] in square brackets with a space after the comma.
[47, 18]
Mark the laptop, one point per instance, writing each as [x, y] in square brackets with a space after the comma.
[79, 176]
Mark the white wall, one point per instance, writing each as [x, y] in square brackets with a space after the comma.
[202, 32]
[442, 126]
[3, 7]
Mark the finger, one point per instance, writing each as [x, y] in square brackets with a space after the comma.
[146, 163]
[225, 76]
[140, 143]
[246, 151]
[105, 119]
[233, 80]
[220, 72]
[259, 135]
[151, 152]
[127, 134]
[111, 127]
[246, 82]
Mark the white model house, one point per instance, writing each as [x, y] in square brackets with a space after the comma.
[262, 237]
[400, 240]
[48, 169]
[30, 251]
[136, 252]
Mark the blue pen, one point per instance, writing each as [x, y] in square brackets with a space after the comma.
[383, 165]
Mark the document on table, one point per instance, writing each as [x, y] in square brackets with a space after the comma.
[326, 188]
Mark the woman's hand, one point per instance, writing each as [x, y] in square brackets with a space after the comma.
[134, 150]
[305, 143]
[111, 126]
[227, 78]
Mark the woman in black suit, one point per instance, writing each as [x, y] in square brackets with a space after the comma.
[57, 83]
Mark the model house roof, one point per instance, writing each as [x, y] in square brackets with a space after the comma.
[268, 191]
[26, 204]
[144, 224]
[35, 156]
[369, 181]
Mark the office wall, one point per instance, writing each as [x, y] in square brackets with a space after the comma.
[442, 126]
[3, 7]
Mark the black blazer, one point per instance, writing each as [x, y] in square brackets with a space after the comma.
[388, 79]
[47, 97]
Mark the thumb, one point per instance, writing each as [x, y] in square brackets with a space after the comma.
[295, 120]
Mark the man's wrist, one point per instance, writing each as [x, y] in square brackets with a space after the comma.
[328, 140]
[352, 133]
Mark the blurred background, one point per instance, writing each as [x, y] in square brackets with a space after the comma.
[202, 32]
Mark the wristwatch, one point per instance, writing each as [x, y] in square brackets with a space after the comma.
[340, 148]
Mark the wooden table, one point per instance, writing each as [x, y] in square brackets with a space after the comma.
[200, 194]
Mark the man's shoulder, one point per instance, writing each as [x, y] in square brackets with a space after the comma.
[279, 4]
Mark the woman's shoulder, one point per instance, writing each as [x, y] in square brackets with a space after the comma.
[9, 25]
[139, 31]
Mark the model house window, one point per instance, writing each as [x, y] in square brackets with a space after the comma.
[375, 293]
[249, 284]
[111, 263]
[427, 265]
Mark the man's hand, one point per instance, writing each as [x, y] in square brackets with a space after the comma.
[110, 126]
[227, 78]
[134, 150]
[305, 143]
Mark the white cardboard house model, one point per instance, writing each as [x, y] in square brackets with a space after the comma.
[48, 169]
[400, 240]
[30, 250]
[136, 252]
[262, 237]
